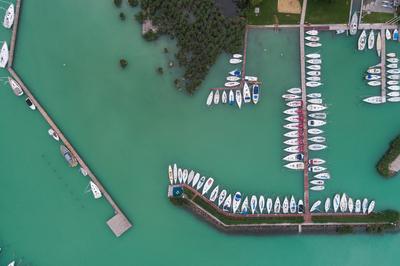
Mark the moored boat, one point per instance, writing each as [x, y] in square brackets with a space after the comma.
[336, 202]
[316, 123]
[290, 96]
[312, 32]
[180, 175]
[394, 77]
[316, 169]
[313, 78]
[317, 188]
[313, 84]
[221, 197]
[71, 160]
[321, 115]
[269, 205]
[237, 56]
[394, 99]
[314, 61]
[255, 93]
[294, 103]
[227, 203]
[235, 61]
[285, 205]
[313, 44]
[371, 39]
[231, 98]
[292, 205]
[224, 97]
[314, 73]
[294, 157]
[184, 175]
[53, 134]
[295, 165]
[292, 126]
[292, 134]
[292, 149]
[354, 24]
[294, 90]
[315, 101]
[316, 147]
[371, 207]
[261, 203]
[357, 208]
[231, 84]
[343, 203]
[214, 194]
[316, 161]
[323, 176]
[315, 107]
[190, 177]
[350, 205]
[293, 118]
[394, 71]
[317, 182]
[235, 72]
[195, 179]
[314, 67]
[378, 44]
[232, 78]
[16, 88]
[392, 65]
[9, 17]
[394, 87]
[95, 190]
[314, 95]
[327, 204]
[4, 55]
[207, 185]
[315, 131]
[314, 55]
[300, 206]
[201, 182]
[294, 141]
[364, 205]
[362, 40]
[315, 206]
[292, 111]
[394, 93]
[372, 77]
[391, 54]
[375, 99]
[175, 173]
[253, 204]
[393, 60]
[238, 98]
[251, 78]
[245, 206]
[374, 70]
[388, 35]
[246, 93]
[317, 139]
[374, 83]
[210, 98]
[277, 205]
[312, 38]
[216, 97]
[237, 198]
[395, 35]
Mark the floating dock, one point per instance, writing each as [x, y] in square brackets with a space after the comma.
[383, 63]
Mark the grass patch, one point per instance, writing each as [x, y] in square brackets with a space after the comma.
[390, 155]
[327, 11]
[388, 216]
[269, 15]
[377, 17]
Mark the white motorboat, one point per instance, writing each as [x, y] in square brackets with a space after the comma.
[170, 175]
[394, 77]
[207, 185]
[184, 175]
[374, 83]
[294, 157]
[315, 206]
[238, 98]
[394, 94]
[277, 205]
[214, 194]
[374, 70]
[391, 54]
[314, 67]
[312, 38]
[245, 206]
[269, 205]
[292, 205]
[294, 90]
[255, 93]
[317, 188]
[210, 98]
[261, 203]
[392, 82]
[327, 204]
[316, 161]
[313, 44]
[321, 115]
[314, 73]
[175, 173]
[232, 78]
[292, 126]
[315, 107]
[316, 169]
[231, 84]
[9, 17]
[312, 32]
[285, 205]
[336, 202]
[231, 97]
[314, 55]
[294, 141]
[313, 84]
[394, 87]
[190, 177]
[54, 135]
[343, 203]
[393, 60]
[350, 205]
[224, 98]
[313, 78]
[253, 204]
[314, 95]
[292, 149]
[11, 263]
[357, 208]
[379, 44]
[216, 97]
[371, 40]
[314, 61]
[180, 179]
[237, 56]
[362, 40]
[295, 165]
[300, 206]
[294, 103]
[388, 35]
[371, 207]
[375, 100]
[201, 182]
[364, 205]
[290, 96]
[372, 77]
[227, 203]
[394, 99]
[251, 78]
[95, 190]
[221, 197]
[292, 111]
[394, 71]
[315, 101]
[317, 182]
[292, 134]
[293, 119]
[317, 139]
[4, 55]
[392, 65]
[237, 198]
[195, 179]
[316, 147]
[30, 104]
[323, 176]
[340, 31]
[315, 131]
[246, 93]
[354, 24]
[316, 123]
[235, 61]
[16, 88]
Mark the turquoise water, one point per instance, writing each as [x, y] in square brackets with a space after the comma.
[130, 124]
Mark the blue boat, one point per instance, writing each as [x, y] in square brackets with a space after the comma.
[235, 72]
[231, 98]
[395, 35]
[256, 93]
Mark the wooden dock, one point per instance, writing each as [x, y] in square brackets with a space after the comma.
[307, 215]
[383, 63]
[14, 33]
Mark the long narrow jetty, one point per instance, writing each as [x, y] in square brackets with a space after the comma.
[14, 33]
[307, 215]
[244, 55]
[383, 63]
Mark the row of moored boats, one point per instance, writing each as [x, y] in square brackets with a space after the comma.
[368, 40]
[345, 204]
[7, 23]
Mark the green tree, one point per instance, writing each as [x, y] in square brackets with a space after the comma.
[117, 3]
[255, 2]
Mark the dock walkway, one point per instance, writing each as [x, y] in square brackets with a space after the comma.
[383, 63]
[119, 223]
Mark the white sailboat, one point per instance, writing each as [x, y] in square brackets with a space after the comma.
[317, 139]
[314, 61]
[9, 17]
[285, 205]
[294, 157]
[315, 206]
[195, 179]
[4, 55]
[235, 61]
[314, 67]
[231, 97]
[237, 198]
[207, 185]
[294, 90]
[336, 202]
[231, 84]
[321, 115]
[312, 32]
[388, 35]
[216, 97]
[375, 99]
[317, 188]
[354, 24]
[357, 208]
[201, 182]
[343, 203]
[316, 123]
[277, 205]
[315, 131]
[314, 55]
[371, 207]
[293, 118]
[170, 175]
[371, 40]
[269, 205]
[313, 44]
[227, 203]
[246, 93]
[362, 40]
[364, 205]
[327, 204]
[238, 98]
[300, 206]
[245, 206]
[292, 111]
[295, 165]
[316, 161]
[253, 204]
[184, 175]
[261, 203]
[350, 205]
[221, 197]
[313, 84]
[292, 205]
[214, 194]
[95, 190]
[316, 147]
[379, 44]
[15, 87]
[175, 173]
[224, 97]
[180, 179]
[294, 103]
[323, 176]
[190, 177]
[312, 38]
[210, 98]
